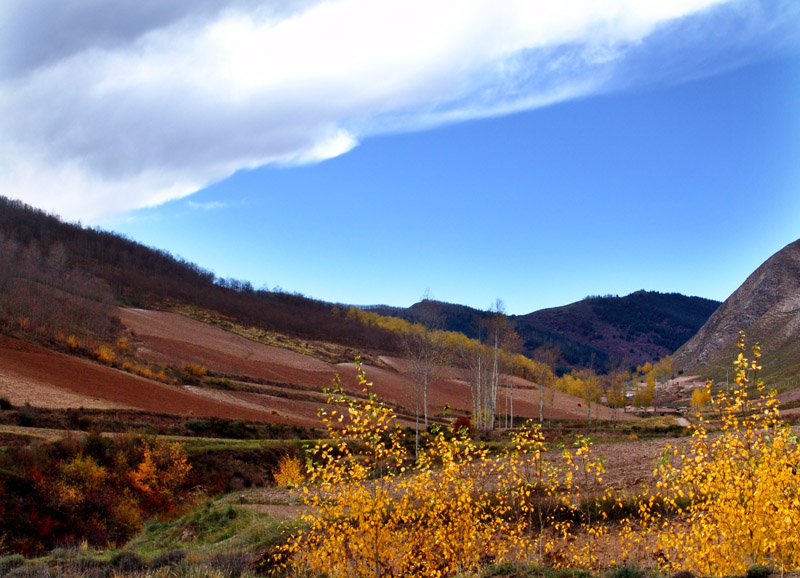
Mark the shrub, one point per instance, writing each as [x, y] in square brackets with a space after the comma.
[127, 562]
[5, 404]
[159, 475]
[28, 416]
[91, 491]
[8, 563]
[72, 342]
[741, 485]
[195, 370]
[170, 558]
[105, 354]
[231, 565]
[626, 572]
[289, 471]
[759, 571]
[462, 425]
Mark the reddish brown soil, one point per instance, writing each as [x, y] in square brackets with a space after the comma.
[34, 365]
[29, 373]
[172, 338]
[169, 338]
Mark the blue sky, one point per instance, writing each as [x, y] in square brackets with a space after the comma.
[631, 146]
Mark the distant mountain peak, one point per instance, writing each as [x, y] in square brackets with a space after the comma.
[599, 331]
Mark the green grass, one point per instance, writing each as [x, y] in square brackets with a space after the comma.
[214, 527]
[217, 538]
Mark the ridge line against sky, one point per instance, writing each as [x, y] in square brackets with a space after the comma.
[359, 151]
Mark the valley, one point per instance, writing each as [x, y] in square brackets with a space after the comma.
[159, 405]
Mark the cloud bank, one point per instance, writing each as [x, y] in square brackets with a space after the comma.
[107, 106]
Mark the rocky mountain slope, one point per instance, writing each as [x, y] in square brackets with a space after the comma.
[767, 308]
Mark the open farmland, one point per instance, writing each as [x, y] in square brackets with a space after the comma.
[264, 383]
[43, 378]
[291, 382]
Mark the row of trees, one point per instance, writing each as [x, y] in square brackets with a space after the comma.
[717, 505]
[490, 363]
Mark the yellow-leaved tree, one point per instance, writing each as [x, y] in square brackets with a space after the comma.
[374, 510]
[739, 487]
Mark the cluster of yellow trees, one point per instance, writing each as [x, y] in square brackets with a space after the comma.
[489, 361]
[724, 502]
[741, 484]
[376, 511]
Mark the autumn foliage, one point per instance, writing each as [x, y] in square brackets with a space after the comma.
[375, 511]
[92, 489]
[741, 483]
[721, 503]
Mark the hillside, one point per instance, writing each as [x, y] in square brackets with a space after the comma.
[603, 332]
[85, 270]
[441, 315]
[597, 332]
[185, 342]
[767, 308]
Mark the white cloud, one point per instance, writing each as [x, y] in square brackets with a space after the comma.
[117, 106]
[208, 206]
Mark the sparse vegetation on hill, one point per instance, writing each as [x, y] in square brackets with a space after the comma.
[138, 275]
[601, 333]
[45, 297]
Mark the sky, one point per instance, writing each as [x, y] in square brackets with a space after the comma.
[370, 151]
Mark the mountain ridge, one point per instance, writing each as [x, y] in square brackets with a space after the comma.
[766, 307]
[599, 332]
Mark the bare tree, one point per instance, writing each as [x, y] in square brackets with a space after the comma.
[502, 337]
[548, 357]
[425, 351]
[473, 355]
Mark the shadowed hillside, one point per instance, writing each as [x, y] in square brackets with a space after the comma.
[606, 332]
[598, 332]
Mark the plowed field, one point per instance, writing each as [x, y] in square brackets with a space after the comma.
[267, 383]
